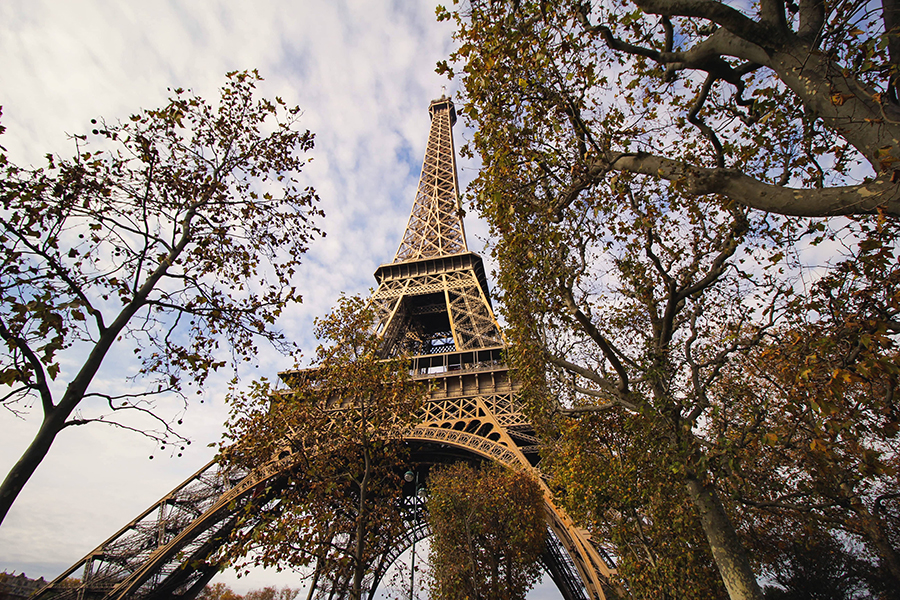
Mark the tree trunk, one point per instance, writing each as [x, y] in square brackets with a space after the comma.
[495, 577]
[874, 531]
[22, 471]
[313, 586]
[361, 525]
[55, 416]
[474, 593]
[321, 553]
[731, 560]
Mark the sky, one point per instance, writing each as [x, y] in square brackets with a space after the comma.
[363, 74]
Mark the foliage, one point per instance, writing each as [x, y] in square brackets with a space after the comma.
[820, 394]
[271, 593]
[625, 145]
[337, 433]
[488, 531]
[634, 302]
[218, 591]
[221, 591]
[818, 569]
[707, 97]
[630, 499]
[172, 233]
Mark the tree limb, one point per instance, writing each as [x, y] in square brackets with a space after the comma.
[717, 12]
[695, 119]
[771, 13]
[590, 375]
[599, 339]
[865, 198]
[581, 410]
[59, 270]
[812, 19]
[706, 55]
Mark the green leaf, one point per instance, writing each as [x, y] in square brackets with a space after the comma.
[53, 370]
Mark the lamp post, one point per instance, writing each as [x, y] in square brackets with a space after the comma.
[411, 477]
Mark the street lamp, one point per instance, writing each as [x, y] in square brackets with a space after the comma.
[410, 477]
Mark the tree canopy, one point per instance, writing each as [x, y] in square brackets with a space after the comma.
[791, 108]
[488, 532]
[221, 591]
[166, 235]
[647, 170]
[634, 505]
[339, 427]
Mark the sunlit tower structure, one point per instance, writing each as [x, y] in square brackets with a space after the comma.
[433, 305]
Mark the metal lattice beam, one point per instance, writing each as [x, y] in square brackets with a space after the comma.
[435, 225]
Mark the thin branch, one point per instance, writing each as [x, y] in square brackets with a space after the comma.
[599, 339]
[145, 232]
[786, 505]
[60, 271]
[110, 399]
[738, 228]
[15, 392]
[695, 119]
[158, 437]
[41, 384]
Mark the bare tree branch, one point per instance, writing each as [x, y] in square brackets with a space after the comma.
[598, 337]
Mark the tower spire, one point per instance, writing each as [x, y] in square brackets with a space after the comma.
[435, 226]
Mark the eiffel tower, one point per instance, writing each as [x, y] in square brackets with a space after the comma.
[433, 305]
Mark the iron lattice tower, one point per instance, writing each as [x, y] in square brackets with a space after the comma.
[432, 304]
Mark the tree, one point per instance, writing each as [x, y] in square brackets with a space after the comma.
[634, 304]
[488, 531]
[218, 591]
[629, 498]
[820, 393]
[271, 593]
[771, 108]
[817, 569]
[624, 148]
[181, 231]
[338, 430]
[221, 591]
